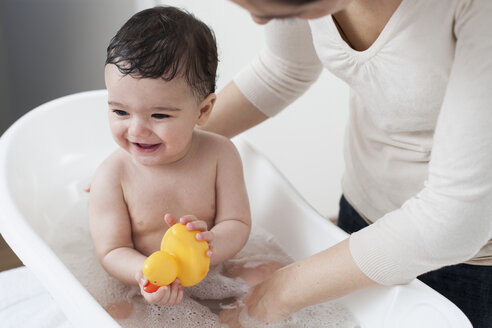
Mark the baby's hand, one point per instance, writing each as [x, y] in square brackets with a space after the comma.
[165, 295]
[192, 223]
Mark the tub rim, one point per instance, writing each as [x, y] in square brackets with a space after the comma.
[18, 229]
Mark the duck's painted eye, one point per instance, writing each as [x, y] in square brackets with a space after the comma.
[155, 282]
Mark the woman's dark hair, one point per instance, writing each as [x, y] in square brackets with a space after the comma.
[166, 42]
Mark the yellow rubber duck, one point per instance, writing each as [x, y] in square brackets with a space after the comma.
[181, 256]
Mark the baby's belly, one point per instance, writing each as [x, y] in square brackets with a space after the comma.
[148, 242]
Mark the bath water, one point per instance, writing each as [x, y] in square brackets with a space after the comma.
[201, 303]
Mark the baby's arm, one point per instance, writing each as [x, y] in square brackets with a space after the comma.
[111, 232]
[233, 218]
[110, 225]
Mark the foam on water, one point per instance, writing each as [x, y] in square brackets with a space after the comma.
[71, 241]
[325, 315]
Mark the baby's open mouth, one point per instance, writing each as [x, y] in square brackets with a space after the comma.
[146, 147]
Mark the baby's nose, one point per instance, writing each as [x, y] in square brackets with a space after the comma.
[138, 129]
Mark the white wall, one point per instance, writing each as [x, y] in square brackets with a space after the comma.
[304, 141]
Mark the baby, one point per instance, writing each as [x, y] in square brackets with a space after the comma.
[160, 74]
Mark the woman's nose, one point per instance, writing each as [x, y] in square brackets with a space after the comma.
[260, 20]
[138, 129]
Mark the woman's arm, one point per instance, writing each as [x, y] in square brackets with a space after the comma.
[324, 276]
[232, 113]
[281, 73]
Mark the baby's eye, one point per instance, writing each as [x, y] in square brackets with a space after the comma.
[120, 112]
[160, 116]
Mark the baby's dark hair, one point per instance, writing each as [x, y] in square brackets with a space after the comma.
[166, 42]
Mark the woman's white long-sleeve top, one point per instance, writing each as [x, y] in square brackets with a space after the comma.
[418, 145]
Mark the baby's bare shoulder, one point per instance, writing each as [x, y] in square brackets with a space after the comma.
[217, 144]
[111, 169]
[221, 150]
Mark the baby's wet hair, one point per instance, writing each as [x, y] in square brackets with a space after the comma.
[166, 42]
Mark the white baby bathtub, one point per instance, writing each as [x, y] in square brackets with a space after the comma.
[48, 156]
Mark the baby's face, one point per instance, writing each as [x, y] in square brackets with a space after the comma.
[153, 120]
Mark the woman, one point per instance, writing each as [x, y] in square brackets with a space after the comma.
[417, 187]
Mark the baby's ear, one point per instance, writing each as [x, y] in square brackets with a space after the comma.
[206, 108]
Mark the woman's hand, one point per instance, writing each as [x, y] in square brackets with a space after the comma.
[165, 295]
[263, 302]
[192, 223]
[321, 277]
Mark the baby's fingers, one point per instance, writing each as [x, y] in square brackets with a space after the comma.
[170, 219]
[187, 218]
[176, 293]
[158, 297]
[167, 295]
[210, 251]
[208, 236]
[196, 225]
[140, 278]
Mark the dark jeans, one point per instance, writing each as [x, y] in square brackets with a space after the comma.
[467, 286]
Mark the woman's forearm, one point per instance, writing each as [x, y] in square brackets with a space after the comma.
[324, 276]
[232, 113]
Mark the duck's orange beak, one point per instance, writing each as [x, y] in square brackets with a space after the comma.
[150, 288]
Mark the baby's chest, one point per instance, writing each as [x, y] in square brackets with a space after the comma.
[148, 201]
